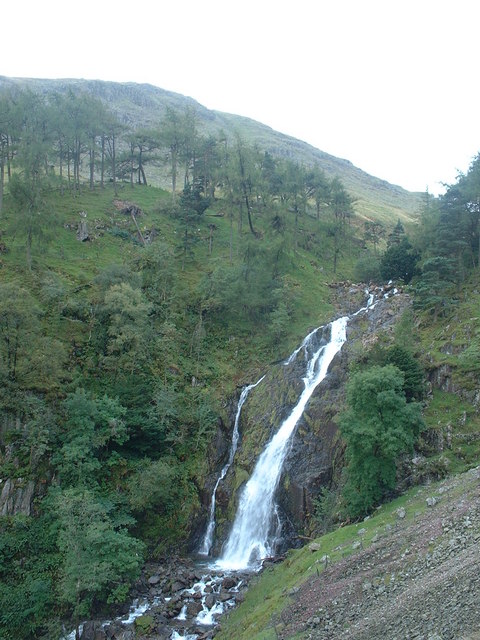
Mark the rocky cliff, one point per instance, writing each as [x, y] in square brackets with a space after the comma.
[315, 449]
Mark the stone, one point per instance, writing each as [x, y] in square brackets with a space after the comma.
[431, 502]
[229, 582]
[210, 600]
[153, 580]
[144, 624]
[401, 513]
[325, 558]
[16, 497]
[193, 609]
[177, 586]
[314, 546]
[82, 231]
[92, 631]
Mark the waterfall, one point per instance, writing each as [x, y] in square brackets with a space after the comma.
[251, 538]
[208, 538]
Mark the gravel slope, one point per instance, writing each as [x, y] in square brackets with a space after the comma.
[419, 579]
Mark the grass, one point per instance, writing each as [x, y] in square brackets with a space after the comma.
[238, 349]
[452, 408]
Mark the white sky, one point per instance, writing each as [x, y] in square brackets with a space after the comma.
[391, 85]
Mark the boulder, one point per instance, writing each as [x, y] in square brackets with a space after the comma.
[93, 631]
[82, 231]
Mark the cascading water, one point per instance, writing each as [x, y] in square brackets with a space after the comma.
[251, 537]
[208, 538]
[257, 523]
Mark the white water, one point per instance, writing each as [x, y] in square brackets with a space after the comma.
[257, 523]
[189, 636]
[208, 538]
[251, 537]
[305, 346]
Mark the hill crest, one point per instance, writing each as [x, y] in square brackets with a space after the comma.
[140, 105]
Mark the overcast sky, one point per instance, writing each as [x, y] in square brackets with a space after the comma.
[391, 85]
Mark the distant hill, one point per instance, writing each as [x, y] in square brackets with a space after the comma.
[145, 105]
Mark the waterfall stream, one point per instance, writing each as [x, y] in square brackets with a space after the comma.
[208, 538]
[257, 524]
[253, 534]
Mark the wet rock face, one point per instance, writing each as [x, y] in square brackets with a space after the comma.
[316, 449]
[218, 455]
[16, 497]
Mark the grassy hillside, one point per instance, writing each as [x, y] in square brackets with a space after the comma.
[114, 240]
[141, 105]
[122, 350]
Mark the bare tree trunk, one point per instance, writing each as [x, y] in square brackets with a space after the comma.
[245, 190]
[92, 163]
[173, 152]
[68, 169]
[102, 164]
[138, 229]
[9, 168]
[60, 159]
[132, 150]
[231, 234]
[114, 166]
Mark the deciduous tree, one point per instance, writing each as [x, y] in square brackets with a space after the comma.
[378, 426]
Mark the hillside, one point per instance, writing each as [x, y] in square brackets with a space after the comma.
[409, 571]
[143, 105]
[132, 317]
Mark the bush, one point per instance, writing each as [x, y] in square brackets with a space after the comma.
[399, 262]
[367, 269]
[378, 427]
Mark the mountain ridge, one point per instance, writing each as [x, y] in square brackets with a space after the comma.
[144, 104]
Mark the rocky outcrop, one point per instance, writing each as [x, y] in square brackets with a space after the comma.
[315, 449]
[16, 497]
[173, 596]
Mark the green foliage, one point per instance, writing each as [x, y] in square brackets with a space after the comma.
[99, 557]
[115, 354]
[279, 319]
[326, 508]
[397, 235]
[378, 426]
[26, 357]
[91, 426]
[399, 262]
[28, 559]
[367, 269]
[434, 288]
[413, 374]
[125, 313]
